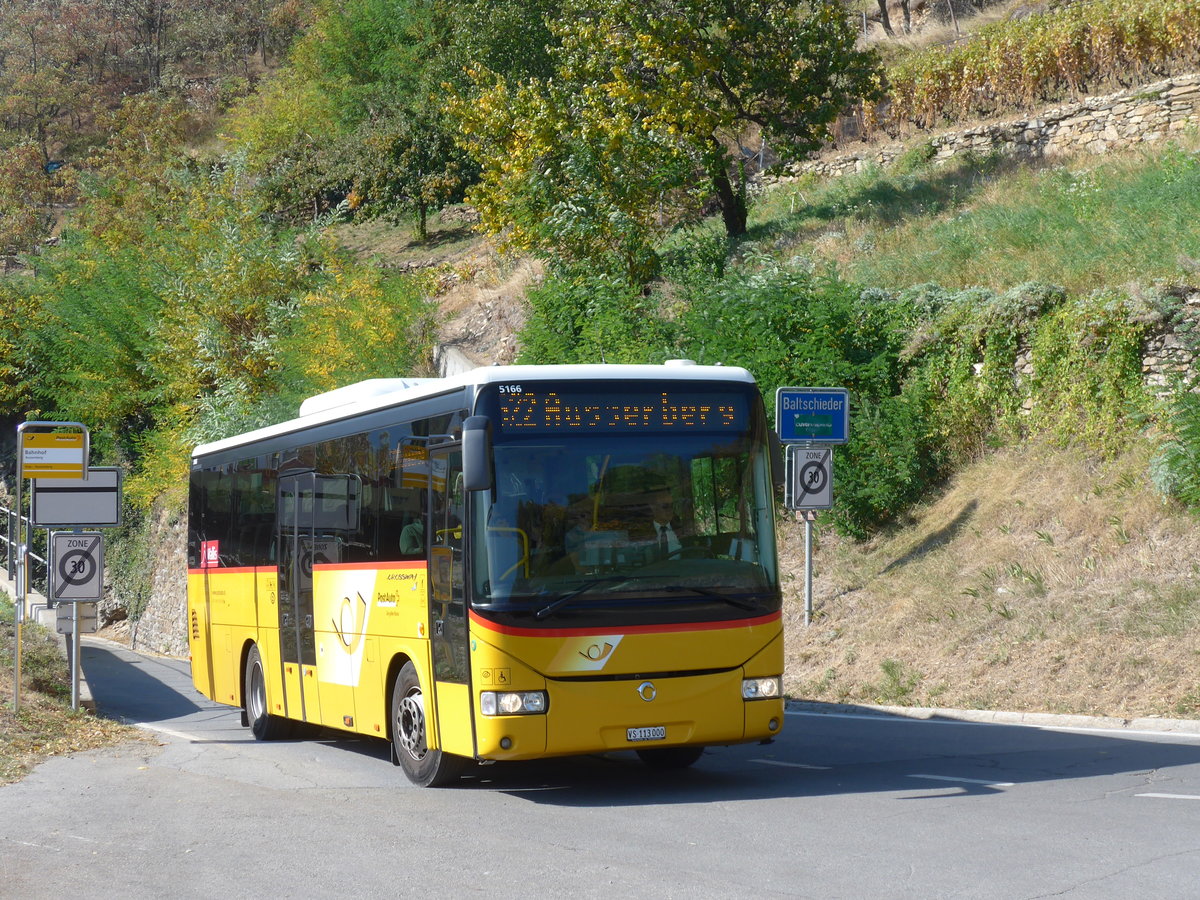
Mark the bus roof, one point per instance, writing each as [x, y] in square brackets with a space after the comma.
[381, 393]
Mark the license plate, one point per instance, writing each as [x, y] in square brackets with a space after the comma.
[654, 733]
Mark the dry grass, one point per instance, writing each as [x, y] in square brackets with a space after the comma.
[46, 727]
[1040, 580]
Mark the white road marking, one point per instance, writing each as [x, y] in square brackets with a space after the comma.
[182, 735]
[790, 765]
[1171, 796]
[963, 780]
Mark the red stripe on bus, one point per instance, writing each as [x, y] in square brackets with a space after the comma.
[231, 570]
[626, 629]
[362, 567]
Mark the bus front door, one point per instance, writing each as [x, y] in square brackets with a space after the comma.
[447, 602]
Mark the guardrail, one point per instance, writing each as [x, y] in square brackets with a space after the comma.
[38, 565]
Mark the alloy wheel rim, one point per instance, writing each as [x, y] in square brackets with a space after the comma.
[410, 724]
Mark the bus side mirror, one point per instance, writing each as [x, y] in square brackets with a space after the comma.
[778, 467]
[477, 453]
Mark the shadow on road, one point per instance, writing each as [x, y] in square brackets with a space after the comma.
[850, 751]
[150, 689]
[867, 752]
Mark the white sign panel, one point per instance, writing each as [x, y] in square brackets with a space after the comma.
[89, 618]
[94, 503]
[810, 477]
[76, 566]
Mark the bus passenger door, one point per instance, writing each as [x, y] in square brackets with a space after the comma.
[447, 602]
[297, 644]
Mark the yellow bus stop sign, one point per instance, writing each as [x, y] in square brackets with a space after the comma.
[52, 454]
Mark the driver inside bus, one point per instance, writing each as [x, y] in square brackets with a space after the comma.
[666, 526]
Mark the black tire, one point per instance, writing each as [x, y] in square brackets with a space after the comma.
[670, 757]
[264, 726]
[423, 766]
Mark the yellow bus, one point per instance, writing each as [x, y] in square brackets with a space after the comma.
[514, 563]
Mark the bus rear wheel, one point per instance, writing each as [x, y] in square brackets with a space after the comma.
[263, 725]
[424, 767]
[670, 757]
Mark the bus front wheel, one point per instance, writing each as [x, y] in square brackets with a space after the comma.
[265, 726]
[424, 767]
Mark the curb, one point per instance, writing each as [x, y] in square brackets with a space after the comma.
[987, 717]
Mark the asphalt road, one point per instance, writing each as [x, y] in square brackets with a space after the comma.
[841, 806]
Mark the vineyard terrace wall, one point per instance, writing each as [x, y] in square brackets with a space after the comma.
[1094, 125]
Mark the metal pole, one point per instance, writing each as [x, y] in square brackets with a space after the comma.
[808, 567]
[75, 656]
[22, 586]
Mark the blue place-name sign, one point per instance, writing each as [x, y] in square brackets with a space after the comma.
[812, 414]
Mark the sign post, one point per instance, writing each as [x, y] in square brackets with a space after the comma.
[76, 576]
[44, 450]
[810, 421]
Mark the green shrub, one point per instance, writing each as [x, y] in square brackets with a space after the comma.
[1175, 469]
[43, 667]
[587, 318]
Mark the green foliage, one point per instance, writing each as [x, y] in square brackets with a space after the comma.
[592, 164]
[568, 176]
[511, 38]
[898, 683]
[1088, 372]
[368, 127]
[366, 324]
[200, 321]
[1175, 470]
[128, 558]
[967, 349]
[402, 163]
[792, 327]
[43, 667]
[585, 318]
[27, 196]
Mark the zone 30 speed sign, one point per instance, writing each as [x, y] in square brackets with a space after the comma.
[76, 566]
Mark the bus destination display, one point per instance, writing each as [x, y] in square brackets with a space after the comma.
[524, 411]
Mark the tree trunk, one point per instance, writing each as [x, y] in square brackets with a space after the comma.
[907, 17]
[422, 221]
[732, 198]
[884, 20]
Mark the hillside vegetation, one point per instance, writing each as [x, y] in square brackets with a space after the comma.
[210, 265]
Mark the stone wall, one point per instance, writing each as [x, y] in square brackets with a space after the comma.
[162, 626]
[1093, 125]
[1169, 355]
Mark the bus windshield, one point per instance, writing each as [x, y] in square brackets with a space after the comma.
[617, 503]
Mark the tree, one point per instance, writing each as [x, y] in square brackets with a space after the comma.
[648, 100]
[358, 117]
[403, 162]
[705, 71]
[27, 194]
[49, 76]
[570, 177]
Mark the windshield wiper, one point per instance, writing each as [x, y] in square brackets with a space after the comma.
[716, 595]
[575, 592]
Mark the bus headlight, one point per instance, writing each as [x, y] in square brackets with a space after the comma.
[761, 688]
[512, 703]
